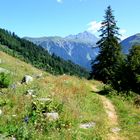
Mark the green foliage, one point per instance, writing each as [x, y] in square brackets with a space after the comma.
[38, 56]
[5, 80]
[129, 76]
[128, 116]
[134, 67]
[108, 61]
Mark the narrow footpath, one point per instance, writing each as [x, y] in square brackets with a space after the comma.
[112, 116]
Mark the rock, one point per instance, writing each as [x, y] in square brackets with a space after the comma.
[27, 79]
[115, 130]
[31, 93]
[87, 125]
[44, 99]
[0, 112]
[53, 116]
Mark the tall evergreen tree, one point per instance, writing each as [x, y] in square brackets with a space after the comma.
[107, 62]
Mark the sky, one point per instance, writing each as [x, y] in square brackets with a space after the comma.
[37, 18]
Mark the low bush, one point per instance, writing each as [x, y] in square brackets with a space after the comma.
[5, 80]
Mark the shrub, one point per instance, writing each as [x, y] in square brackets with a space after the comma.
[5, 80]
[137, 101]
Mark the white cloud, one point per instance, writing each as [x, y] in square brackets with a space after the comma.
[94, 26]
[59, 1]
[123, 34]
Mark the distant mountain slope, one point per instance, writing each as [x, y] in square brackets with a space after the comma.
[86, 37]
[37, 56]
[80, 49]
[129, 42]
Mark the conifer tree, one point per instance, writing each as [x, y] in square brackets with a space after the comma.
[107, 62]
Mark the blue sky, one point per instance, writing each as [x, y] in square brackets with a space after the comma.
[37, 18]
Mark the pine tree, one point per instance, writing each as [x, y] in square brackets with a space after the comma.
[133, 68]
[107, 62]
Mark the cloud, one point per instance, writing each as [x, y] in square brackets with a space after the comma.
[59, 1]
[94, 26]
[123, 34]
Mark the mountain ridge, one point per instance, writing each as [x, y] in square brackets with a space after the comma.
[80, 48]
[129, 42]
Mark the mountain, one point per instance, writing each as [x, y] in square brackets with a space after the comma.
[129, 42]
[80, 48]
[86, 37]
[37, 56]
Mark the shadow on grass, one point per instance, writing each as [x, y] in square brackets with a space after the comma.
[104, 91]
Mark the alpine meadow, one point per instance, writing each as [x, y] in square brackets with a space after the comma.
[69, 73]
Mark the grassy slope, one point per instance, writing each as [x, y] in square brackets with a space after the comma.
[79, 104]
[129, 117]
[71, 97]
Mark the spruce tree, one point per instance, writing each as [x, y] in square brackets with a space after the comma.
[106, 64]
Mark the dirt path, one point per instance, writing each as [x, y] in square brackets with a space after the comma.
[112, 116]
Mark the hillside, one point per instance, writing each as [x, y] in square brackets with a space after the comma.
[129, 42]
[82, 113]
[80, 48]
[38, 56]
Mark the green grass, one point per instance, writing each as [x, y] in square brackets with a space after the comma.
[128, 116]
[71, 97]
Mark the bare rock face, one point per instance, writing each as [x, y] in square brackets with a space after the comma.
[87, 125]
[52, 116]
[27, 79]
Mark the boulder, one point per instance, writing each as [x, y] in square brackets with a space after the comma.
[87, 125]
[27, 79]
[52, 116]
